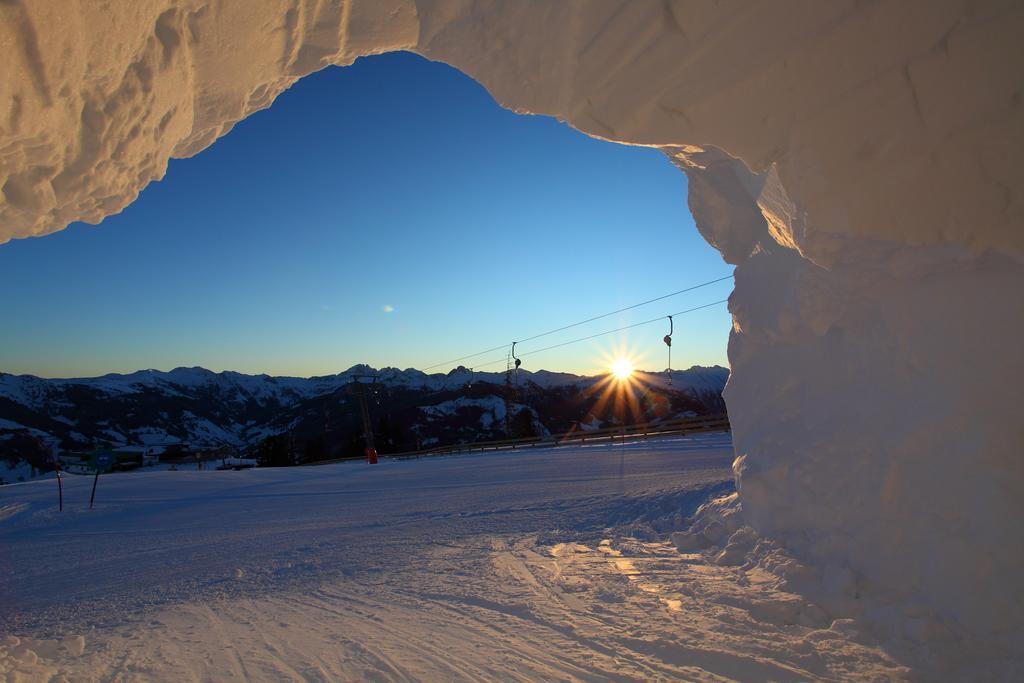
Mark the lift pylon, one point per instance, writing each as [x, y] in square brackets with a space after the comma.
[364, 409]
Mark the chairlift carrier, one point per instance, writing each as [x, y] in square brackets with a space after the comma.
[668, 343]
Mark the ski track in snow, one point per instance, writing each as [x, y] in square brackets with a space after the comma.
[542, 564]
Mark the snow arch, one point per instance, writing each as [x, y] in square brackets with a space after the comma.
[857, 162]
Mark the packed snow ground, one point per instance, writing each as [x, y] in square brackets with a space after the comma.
[545, 564]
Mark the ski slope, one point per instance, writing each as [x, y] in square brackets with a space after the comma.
[543, 564]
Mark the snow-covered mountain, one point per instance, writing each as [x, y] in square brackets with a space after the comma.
[205, 408]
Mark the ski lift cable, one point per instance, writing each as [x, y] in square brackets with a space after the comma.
[576, 324]
[472, 355]
[601, 334]
[623, 310]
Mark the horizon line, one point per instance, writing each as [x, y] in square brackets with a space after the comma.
[342, 372]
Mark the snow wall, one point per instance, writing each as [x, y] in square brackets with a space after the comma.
[859, 163]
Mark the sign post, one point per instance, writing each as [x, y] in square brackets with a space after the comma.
[60, 486]
[102, 462]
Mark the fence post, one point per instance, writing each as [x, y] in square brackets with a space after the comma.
[60, 487]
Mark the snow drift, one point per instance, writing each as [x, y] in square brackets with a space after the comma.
[859, 163]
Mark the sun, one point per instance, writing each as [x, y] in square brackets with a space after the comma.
[622, 369]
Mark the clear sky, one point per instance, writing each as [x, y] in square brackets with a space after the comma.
[388, 213]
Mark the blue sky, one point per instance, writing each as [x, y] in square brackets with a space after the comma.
[388, 213]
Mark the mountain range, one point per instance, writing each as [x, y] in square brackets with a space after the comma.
[321, 415]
